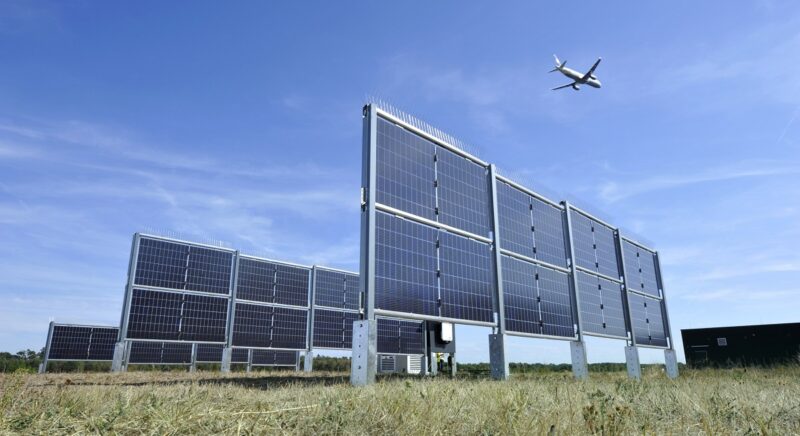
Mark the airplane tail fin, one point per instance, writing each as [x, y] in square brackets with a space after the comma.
[559, 64]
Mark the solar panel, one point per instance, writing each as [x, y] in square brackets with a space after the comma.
[647, 320]
[239, 355]
[537, 299]
[333, 329]
[640, 269]
[181, 266]
[263, 326]
[274, 358]
[467, 280]
[397, 336]
[530, 226]
[595, 246]
[177, 316]
[209, 353]
[462, 188]
[336, 289]
[601, 306]
[405, 173]
[271, 282]
[73, 342]
[160, 353]
[405, 266]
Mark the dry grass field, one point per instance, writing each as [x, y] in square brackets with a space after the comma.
[700, 402]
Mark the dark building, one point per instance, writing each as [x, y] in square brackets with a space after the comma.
[769, 344]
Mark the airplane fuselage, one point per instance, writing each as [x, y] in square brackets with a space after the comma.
[578, 77]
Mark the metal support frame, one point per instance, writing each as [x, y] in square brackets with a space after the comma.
[580, 366]
[120, 360]
[364, 362]
[43, 365]
[297, 361]
[497, 349]
[670, 356]
[631, 352]
[249, 360]
[193, 365]
[632, 362]
[308, 360]
[227, 350]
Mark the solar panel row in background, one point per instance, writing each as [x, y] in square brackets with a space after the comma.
[272, 305]
[77, 342]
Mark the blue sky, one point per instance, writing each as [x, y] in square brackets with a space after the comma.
[242, 124]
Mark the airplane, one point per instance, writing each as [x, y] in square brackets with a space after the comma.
[578, 78]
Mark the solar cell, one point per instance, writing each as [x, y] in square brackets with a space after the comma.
[405, 266]
[462, 193]
[595, 245]
[640, 269]
[647, 320]
[405, 173]
[177, 316]
[269, 326]
[333, 329]
[467, 280]
[336, 289]
[537, 299]
[274, 358]
[270, 282]
[601, 306]
[209, 352]
[516, 223]
[397, 336]
[174, 265]
[160, 353]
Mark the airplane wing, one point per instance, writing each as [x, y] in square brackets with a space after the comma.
[591, 70]
[562, 87]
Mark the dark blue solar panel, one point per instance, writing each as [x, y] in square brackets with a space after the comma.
[209, 352]
[514, 211]
[164, 353]
[82, 343]
[548, 233]
[405, 266]
[333, 329]
[520, 298]
[173, 265]
[555, 302]
[400, 336]
[405, 170]
[269, 327]
[537, 299]
[595, 246]
[269, 282]
[640, 269]
[467, 279]
[337, 290]
[463, 193]
[601, 306]
[175, 316]
[239, 355]
[274, 358]
[647, 320]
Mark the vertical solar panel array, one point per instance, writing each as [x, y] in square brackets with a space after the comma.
[271, 305]
[645, 298]
[179, 292]
[433, 256]
[82, 343]
[437, 257]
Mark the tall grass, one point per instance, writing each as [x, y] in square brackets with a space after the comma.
[703, 401]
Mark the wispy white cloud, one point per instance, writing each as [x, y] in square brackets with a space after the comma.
[613, 191]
